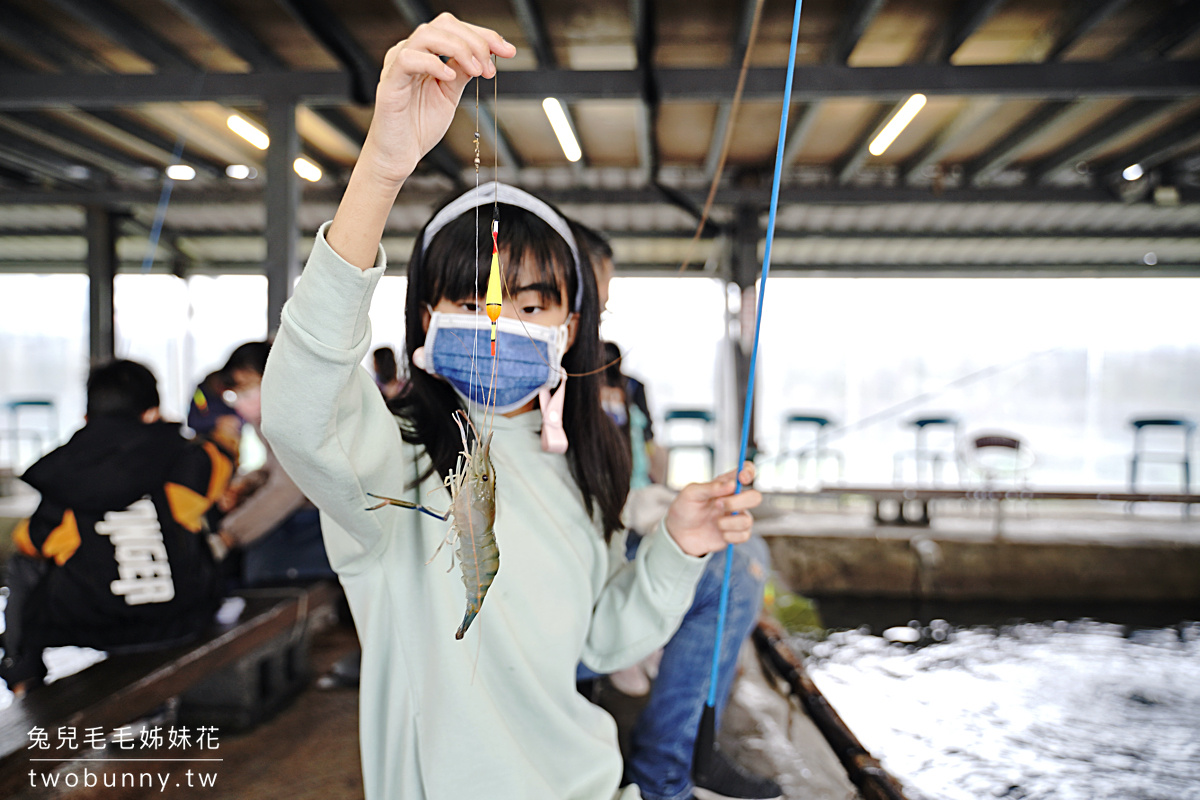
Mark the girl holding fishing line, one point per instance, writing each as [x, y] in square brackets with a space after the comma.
[495, 715]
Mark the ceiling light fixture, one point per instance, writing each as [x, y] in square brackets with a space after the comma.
[239, 172]
[307, 169]
[897, 124]
[562, 129]
[1133, 172]
[248, 131]
[180, 172]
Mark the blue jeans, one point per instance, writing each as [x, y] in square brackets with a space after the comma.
[292, 552]
[664, 735]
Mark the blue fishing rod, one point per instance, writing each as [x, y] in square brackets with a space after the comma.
[706, 734]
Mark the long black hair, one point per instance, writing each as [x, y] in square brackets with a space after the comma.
[452, 267]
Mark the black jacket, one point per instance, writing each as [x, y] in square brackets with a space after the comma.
[121, 517]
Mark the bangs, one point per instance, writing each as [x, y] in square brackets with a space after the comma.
[455, 269]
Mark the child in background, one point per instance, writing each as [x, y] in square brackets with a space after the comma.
[115, 556]
[496, 715]
[387, 376]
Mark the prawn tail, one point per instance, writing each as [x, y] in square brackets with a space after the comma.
[480, 561]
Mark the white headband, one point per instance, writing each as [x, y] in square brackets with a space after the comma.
[510, 195]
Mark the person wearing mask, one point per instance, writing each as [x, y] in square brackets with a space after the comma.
[662, 761]
[266, 516]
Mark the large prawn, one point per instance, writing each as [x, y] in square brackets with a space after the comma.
[472, 516]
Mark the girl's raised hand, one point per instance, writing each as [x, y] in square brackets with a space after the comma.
[702, 520]
[418, 92]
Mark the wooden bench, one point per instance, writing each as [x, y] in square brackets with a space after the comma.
[124, 688]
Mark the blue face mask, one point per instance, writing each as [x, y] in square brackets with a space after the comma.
[528, 358]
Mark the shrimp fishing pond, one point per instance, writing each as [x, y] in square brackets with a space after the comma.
[1070, 711]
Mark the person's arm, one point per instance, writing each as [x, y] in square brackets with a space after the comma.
[322, 413]
[643, 601]
[51, 533]
[196, 481]
[276, 500]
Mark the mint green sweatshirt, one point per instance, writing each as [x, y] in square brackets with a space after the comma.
[495, 715]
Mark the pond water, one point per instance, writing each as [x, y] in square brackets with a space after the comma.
[1075, 711]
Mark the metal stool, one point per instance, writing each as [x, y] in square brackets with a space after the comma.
[923, 454]
[1187, 426]
[700, 418]
[818, 452]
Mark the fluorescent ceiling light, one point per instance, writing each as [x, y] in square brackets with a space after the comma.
[180, 172]
[239, 172]
[248, 131]
[897, 124]
[1133, 172]
[307, 169]
[562, 129]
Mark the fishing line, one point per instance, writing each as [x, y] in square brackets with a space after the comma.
[709, 710]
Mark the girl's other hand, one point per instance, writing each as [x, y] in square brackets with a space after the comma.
[418, 92]
[702, 518]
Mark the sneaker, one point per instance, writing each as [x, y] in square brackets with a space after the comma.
[721, 778]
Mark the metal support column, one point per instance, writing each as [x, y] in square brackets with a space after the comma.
[283, 204]
[745, 266]
[102, 269]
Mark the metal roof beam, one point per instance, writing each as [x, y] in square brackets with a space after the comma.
[37, 159]
[1163, 36]
[1005, 151]
[854, 24]
[641, 17]
[729, 196]
[1183, 136]
[966, 123]
[126, 31]
[1089, 14]
[846, 169]
[1060, 80]
[415, 12]
[335, 37]
[800, 129]
[1099, 137]
[220, 25]
[721, 124]
[201, 163]
[24, 33]
[530, 19]
[971, 16]
[37, 125]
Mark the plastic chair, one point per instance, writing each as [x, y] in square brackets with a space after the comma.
[703, 423]
[999, 456]
[922, 454]
[818, 452]
[1186, 426]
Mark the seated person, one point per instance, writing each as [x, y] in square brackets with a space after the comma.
[115, 555]
[662, 761]
[209, 414]
[274, 524]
